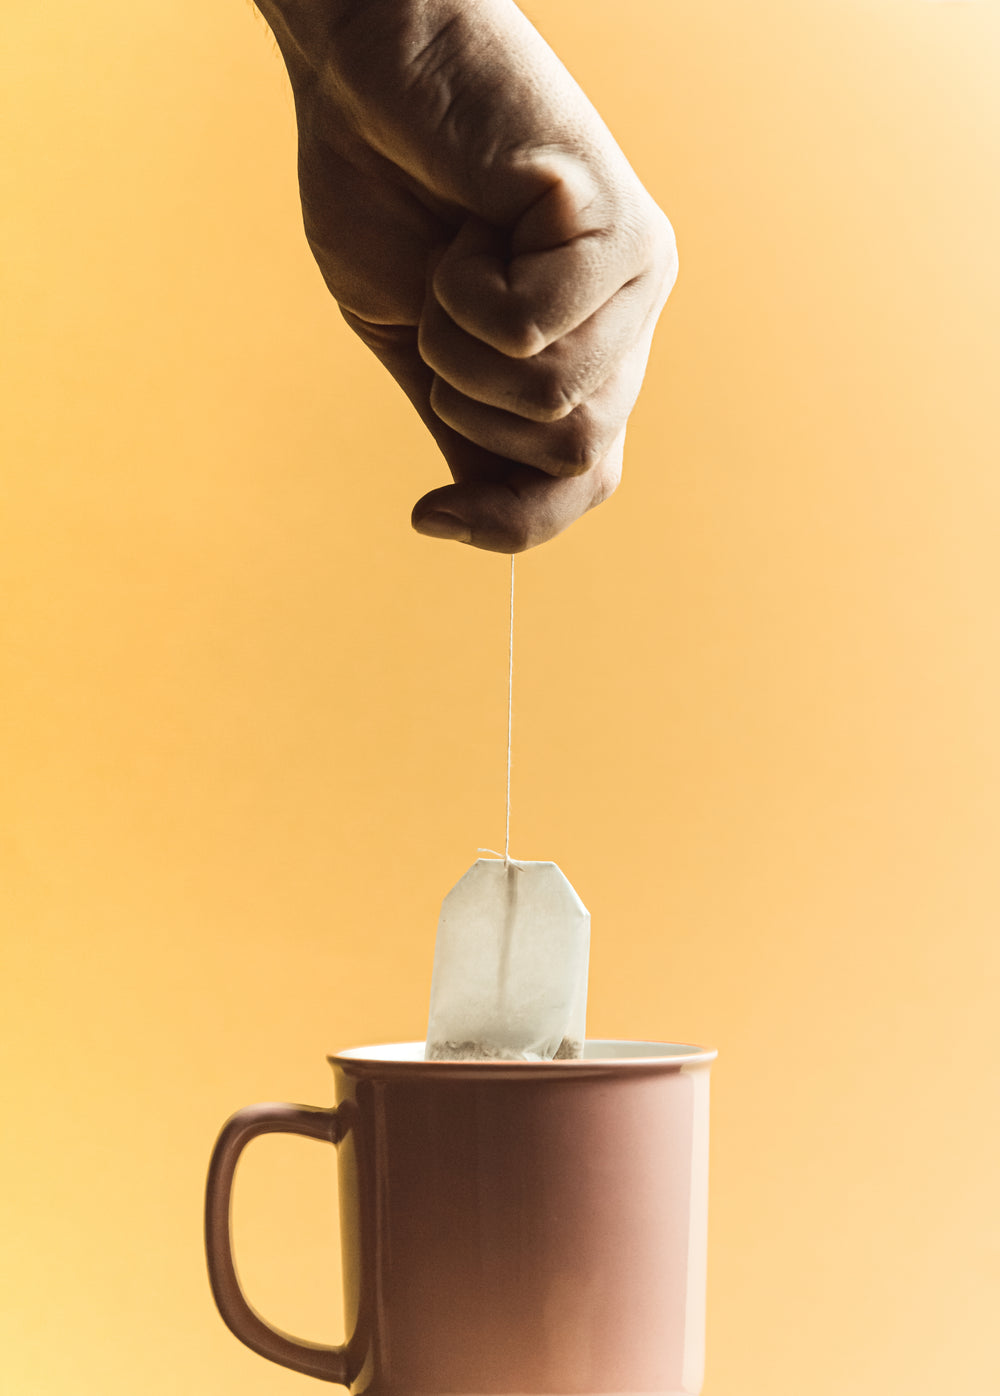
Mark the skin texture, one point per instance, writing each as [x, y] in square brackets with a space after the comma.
[485, 237]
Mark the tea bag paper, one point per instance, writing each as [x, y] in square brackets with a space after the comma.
[510, 966]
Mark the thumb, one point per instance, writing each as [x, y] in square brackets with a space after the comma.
[505, 507]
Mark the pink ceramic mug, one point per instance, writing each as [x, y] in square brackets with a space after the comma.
[508, 1228]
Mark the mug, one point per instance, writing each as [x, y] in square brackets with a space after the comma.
[507, 1228]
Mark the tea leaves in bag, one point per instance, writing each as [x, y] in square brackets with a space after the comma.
[510, 966]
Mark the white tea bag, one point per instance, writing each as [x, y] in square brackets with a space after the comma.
[510, 966]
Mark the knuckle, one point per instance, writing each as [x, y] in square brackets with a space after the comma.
[519, 337]
[426, 344]
[441, 398]
[663, 248]
[671, 263]
[547, 397]
[579, 446]
[605, 484]
[519, 534]
[653, 241]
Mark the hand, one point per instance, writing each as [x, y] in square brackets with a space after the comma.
[486, 238]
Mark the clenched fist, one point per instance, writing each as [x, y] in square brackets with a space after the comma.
[487, 239]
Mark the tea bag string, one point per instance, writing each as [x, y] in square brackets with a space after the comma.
[510, 720]
[510, 706]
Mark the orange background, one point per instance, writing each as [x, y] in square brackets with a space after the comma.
[253, 728]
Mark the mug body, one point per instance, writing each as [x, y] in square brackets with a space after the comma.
[524, 1229]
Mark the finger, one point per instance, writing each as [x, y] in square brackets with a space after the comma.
[570, 446]
[521, 299]
[552, 383]
[496, 504]
[516, 508]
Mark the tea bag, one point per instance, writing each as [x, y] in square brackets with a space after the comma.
[510, 966]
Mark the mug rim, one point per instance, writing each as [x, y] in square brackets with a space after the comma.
[605, 1054]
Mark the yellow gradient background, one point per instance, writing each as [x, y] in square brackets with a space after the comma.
[253, 728]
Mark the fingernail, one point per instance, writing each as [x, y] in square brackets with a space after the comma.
[438, 524]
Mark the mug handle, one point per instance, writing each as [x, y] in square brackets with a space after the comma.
[314, 1359]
